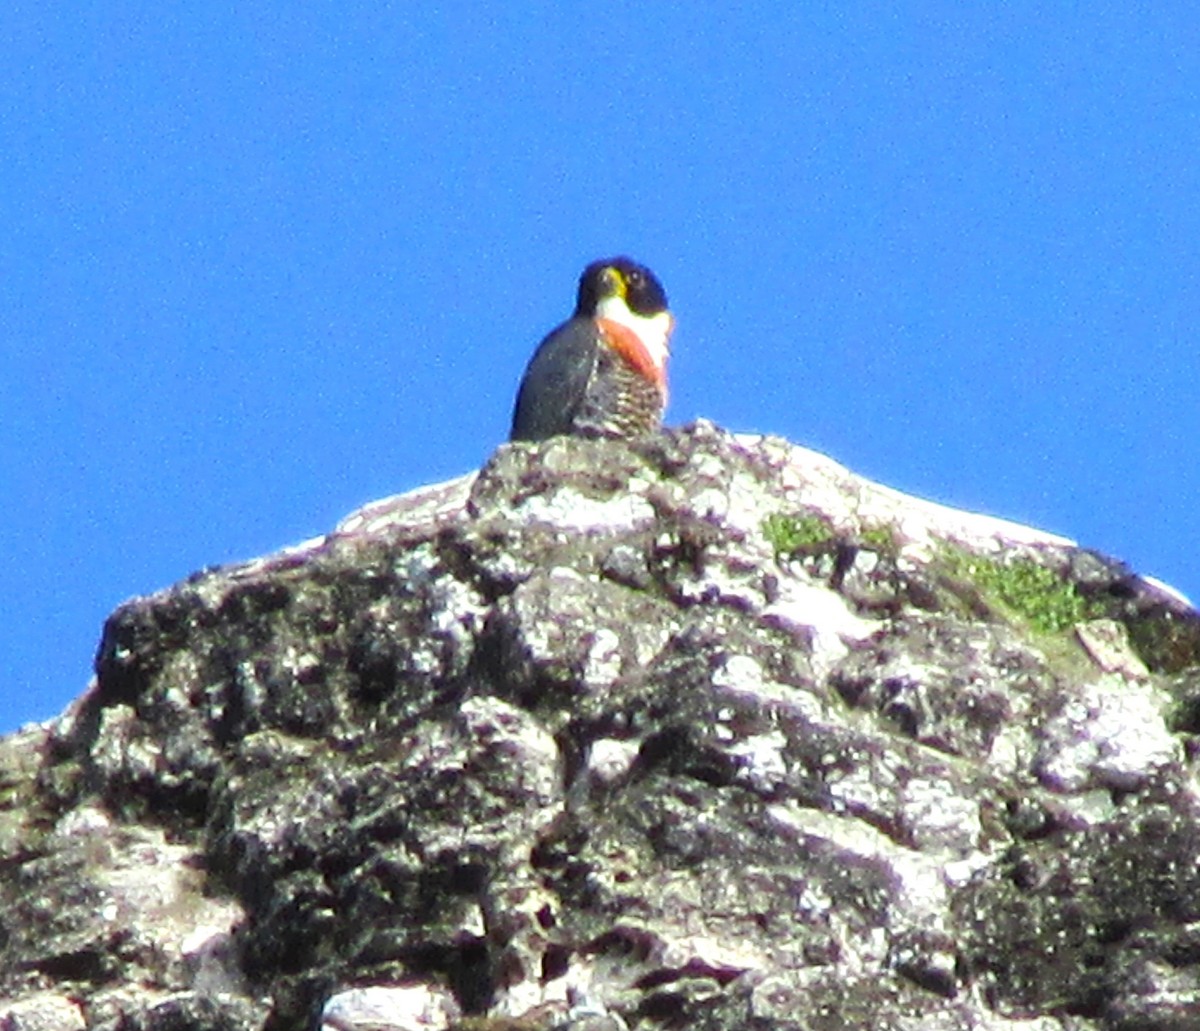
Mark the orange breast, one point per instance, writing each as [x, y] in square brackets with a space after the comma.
[629, 346]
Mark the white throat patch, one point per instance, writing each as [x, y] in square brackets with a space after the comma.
[654, 331]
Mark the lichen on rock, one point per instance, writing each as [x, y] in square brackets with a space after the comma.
[695, 730]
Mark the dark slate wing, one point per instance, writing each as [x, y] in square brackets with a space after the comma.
[556, 382]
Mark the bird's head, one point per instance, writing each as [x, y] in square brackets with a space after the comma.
[612, 280]
[622, 291]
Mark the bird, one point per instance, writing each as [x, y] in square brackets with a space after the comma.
[603, 372]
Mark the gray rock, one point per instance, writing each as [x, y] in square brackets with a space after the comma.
[694, 731]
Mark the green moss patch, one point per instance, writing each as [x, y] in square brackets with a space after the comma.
[1036, 593]
[802, 534]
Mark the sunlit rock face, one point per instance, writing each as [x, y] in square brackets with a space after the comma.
[693, 731]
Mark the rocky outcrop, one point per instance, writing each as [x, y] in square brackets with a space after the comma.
[697, 731]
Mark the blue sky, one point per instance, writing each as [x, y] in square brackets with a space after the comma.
[261, 264]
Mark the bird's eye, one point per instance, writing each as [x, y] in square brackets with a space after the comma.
[635, 276]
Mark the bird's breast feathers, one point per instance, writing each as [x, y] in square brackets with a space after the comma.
[643, 341]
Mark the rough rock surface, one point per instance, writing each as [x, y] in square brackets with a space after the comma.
[694, 732]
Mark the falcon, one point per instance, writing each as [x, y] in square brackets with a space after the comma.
[603, 372]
